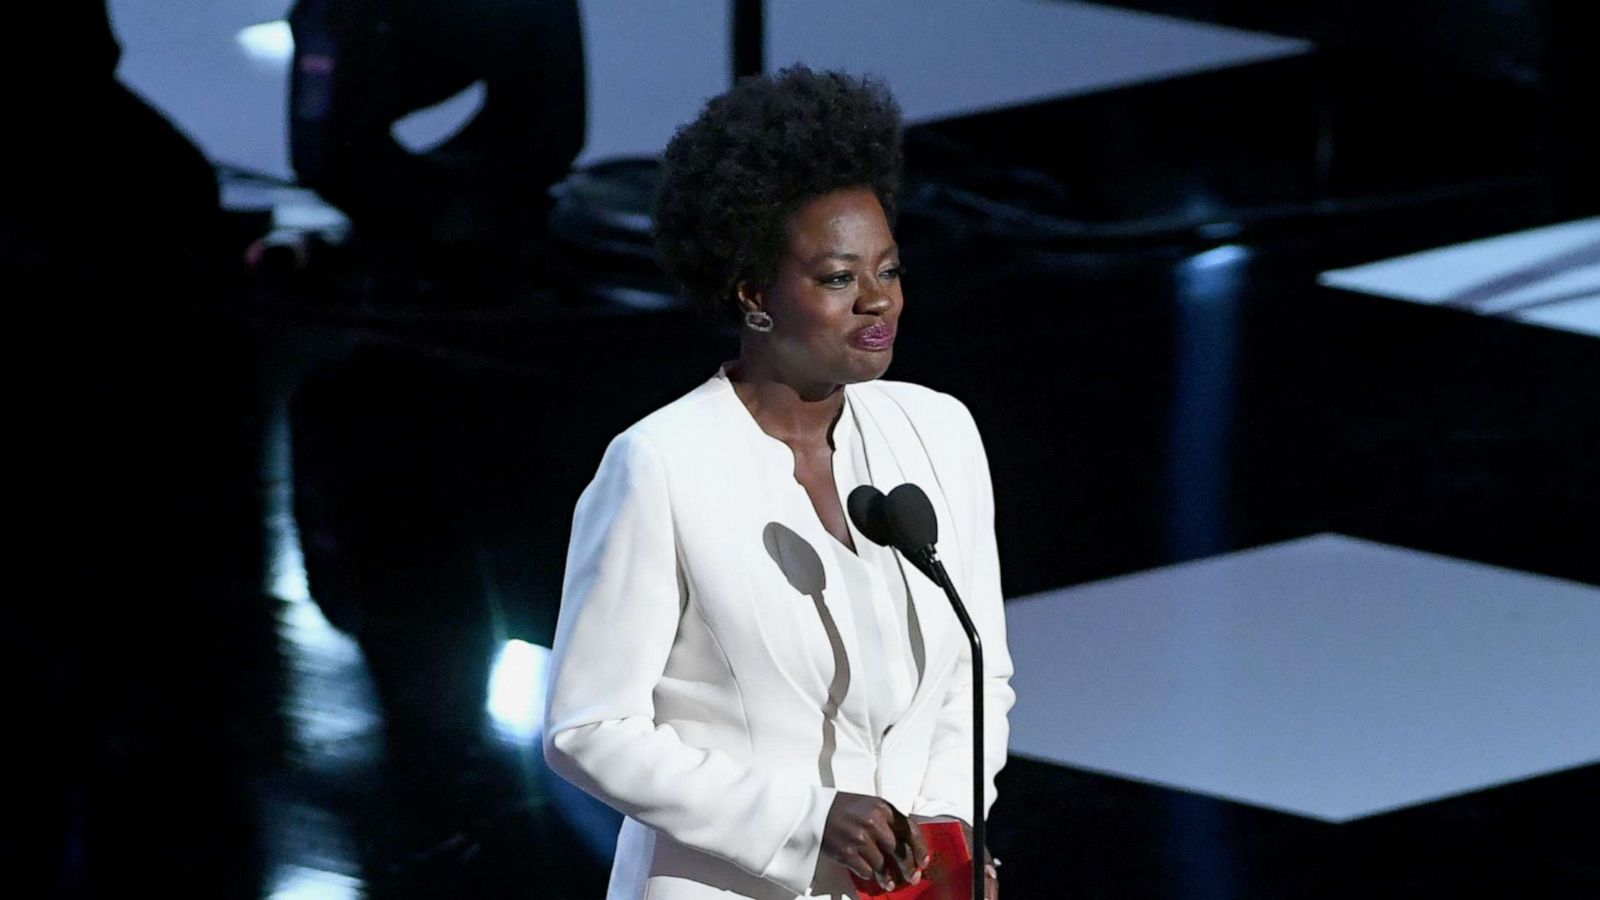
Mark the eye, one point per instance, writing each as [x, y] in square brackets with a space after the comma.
[837, 279]
[895, 271]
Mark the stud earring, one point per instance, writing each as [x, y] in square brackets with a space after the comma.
[756, 320]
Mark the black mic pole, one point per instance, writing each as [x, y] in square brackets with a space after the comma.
[930, 562]
[905, 520]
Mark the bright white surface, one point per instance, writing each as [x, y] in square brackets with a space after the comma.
[220, 70]
[304, 883]
[431, 126]
[516, 690]
[945, 58]
[1582, 316]
[1329, 677]
[651, 67]
[213, 73]
[1502, 276]
[271, 42]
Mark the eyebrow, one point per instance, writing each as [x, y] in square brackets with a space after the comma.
[850, 257]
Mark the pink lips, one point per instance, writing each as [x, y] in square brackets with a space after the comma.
[873, 337]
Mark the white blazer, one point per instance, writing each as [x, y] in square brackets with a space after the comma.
[691, 674]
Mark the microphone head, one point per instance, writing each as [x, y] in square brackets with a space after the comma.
[911, 522]
[865, 506]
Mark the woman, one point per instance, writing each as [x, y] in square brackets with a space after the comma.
[771, 699]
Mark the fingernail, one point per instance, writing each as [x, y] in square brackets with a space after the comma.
[916, 877]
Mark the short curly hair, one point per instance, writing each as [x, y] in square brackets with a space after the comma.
[755, 155]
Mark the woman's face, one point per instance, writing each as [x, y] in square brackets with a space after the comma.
[835, 300]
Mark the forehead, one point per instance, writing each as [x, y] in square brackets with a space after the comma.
[850, 220]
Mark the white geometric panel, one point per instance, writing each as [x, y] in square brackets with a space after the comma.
[1547, 276]
[220, 70]
[217, 71]
[1329, 677]
[946, 58]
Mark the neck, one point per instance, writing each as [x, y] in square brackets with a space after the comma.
[791, 411]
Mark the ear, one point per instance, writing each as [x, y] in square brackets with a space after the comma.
[749, 297]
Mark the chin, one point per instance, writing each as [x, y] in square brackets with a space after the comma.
[872, 367]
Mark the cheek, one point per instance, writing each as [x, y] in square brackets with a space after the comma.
[813, 316]
[813, 337]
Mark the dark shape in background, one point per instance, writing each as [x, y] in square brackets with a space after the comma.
[136, 619]
[1440, 90]
[473, 210]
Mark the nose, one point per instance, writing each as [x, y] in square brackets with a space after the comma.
[874, 299]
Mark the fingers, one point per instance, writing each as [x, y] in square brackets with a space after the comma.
[869, 852]
[911, 851]
[919, 845]
[897, 865]
[874, 841]
[859, 867]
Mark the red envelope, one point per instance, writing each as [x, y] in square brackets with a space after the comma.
[948, 877]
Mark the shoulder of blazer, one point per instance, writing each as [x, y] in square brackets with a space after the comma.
[681, 424]
[934, 414]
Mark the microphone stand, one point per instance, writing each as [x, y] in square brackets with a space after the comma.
[929, 559]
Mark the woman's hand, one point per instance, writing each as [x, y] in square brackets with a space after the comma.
[872, 839]
[991, 874]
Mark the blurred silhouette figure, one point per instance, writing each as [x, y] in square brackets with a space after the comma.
[131, 481]
[422, 510]
[412, 480]
[474, 210]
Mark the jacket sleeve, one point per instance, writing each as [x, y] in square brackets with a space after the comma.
[620, 605]
[947, 784]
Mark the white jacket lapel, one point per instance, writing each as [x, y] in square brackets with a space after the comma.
[896, 456]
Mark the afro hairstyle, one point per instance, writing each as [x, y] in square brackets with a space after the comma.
[756, 154]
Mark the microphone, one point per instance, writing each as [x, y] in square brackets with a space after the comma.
[865, 506]
[904, 519]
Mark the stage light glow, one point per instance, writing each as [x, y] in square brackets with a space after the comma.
[317, 655]
[516, 690]
[302, 883]
[1225, 255]
[267, 42]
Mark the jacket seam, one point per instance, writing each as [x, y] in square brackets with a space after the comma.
[744, 709]
[691, 600]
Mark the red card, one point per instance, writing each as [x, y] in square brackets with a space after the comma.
[948, 877]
